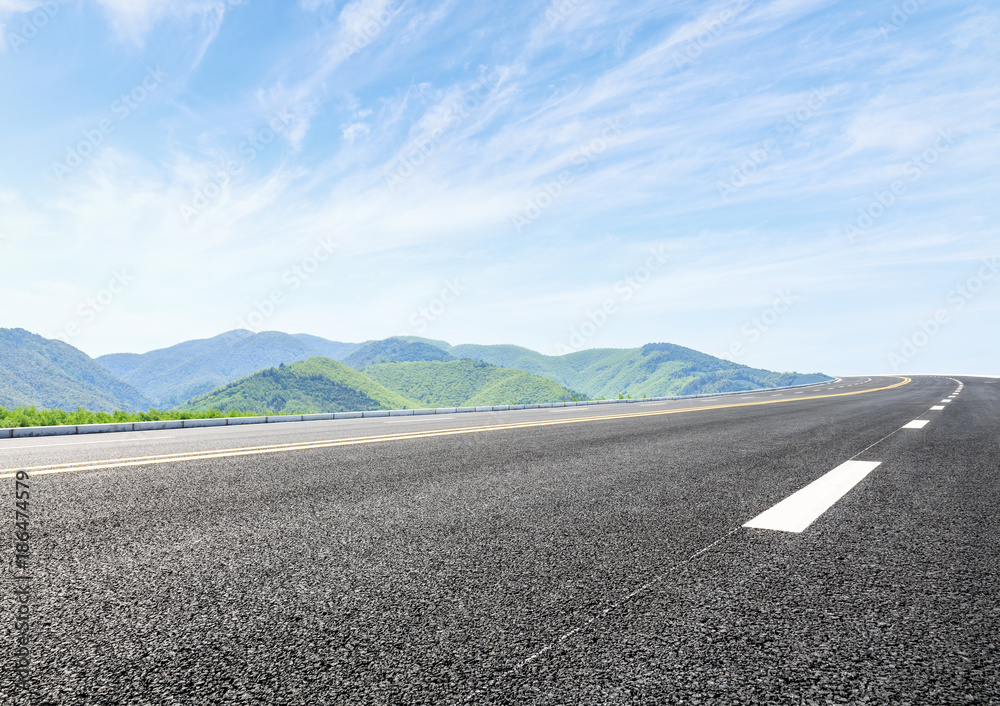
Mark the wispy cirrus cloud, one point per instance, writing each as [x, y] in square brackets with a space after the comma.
[132, 20]
[416, 130]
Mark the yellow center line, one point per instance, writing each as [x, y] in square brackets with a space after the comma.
[382, 438]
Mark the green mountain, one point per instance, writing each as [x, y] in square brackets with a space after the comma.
[465, 383]
[172, 376]
[655, 370]
[394, 350]
[36, 371]
[307, 387]
[407, 371]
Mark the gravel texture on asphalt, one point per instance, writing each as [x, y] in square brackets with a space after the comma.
[594, 563]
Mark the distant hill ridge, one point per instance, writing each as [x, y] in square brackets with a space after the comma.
[306, 387]
[172, 376]
[394, 350]
[52, 374]
[325, 385]
[466, 383]
[416, 371]
[654, 370]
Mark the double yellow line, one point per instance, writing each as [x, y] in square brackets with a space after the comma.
[307, 445]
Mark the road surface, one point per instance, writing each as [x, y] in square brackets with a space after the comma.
[616, 554]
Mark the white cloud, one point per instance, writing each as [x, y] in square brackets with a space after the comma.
[548, 95]
[356, 130]
[11, 6]
[360, 25]
[133, 19]
[313, 5]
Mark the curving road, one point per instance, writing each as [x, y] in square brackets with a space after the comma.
[583, 555]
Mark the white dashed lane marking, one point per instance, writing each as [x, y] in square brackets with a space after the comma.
[800, 509]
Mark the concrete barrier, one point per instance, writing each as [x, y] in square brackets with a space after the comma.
[158, 426]
[322, 417]
[104, 428]
[26, 432]
[284, 418]
[197, 423]
[234, 421]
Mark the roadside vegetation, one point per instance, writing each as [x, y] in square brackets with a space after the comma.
[33, 417]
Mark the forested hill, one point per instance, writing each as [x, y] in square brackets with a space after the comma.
[466, 383]
[306, 387]
[172, 376]
[394, 350]
[398, 371]
[41, 372]
[655, 370]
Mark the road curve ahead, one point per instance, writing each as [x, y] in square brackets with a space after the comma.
[835, 544]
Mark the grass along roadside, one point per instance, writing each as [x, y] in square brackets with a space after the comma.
[33, 417]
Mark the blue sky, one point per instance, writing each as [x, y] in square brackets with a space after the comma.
[795, 185]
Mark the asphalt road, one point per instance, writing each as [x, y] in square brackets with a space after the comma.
[589, 555]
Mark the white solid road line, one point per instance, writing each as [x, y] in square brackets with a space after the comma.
[937, 408]
[18, 447]
[917, 424]
[800, 509]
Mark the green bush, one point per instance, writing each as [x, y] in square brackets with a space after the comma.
[33, 417]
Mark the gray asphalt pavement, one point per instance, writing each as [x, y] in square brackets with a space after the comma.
[576, 556]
